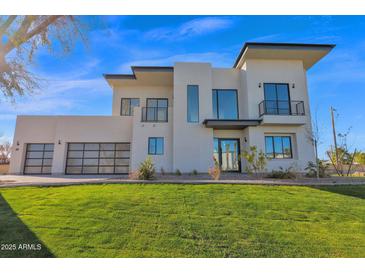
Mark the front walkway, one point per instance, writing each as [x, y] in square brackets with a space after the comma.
[64, 180]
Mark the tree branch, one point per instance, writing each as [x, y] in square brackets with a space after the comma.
[28, 35]
[7, 24]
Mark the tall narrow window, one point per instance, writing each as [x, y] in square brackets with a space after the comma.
[193, 103]
[127, 105]
[278, 147]
[155, 146]
[225, 104]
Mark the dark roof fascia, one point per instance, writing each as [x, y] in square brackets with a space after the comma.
[119, 76]
[137, 68]
[245, 46]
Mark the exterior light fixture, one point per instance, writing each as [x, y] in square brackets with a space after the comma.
[259, 85]
[293, 86]
[245, 140]
[59, 142]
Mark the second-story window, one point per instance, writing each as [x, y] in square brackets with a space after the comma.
[277, 99]
[225, 104]
[156, 110]
[127, 105]
[193, 104]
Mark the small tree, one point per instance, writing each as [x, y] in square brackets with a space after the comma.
[256, 160]
[5, 152]
[342, 156]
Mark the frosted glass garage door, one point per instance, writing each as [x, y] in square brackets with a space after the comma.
[38, 159]
[98, 158]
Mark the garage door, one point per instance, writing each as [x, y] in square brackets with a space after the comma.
[98, 158]
[38, 159]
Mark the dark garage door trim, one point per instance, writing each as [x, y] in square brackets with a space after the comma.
[44, 149]
[98, 152]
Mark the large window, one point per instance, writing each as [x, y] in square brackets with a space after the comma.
[225, 104]
[155, 145]
[278, 147]
[277, 100]
[193, 103]
[38, 159]
[156, 110]
[127, 105]
[98, 158]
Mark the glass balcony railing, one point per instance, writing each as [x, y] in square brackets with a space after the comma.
[280, 107]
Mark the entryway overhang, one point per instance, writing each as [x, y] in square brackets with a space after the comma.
[230, 124]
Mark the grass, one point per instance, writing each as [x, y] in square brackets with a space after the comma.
[184, 221]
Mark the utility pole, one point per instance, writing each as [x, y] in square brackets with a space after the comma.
[334, 135]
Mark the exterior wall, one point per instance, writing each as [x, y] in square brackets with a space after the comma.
[187, 146]
[229, 79]
[141, 92]
[302, 148]
[275, 71]
[193, 143]
[141, 133]
[52, 129]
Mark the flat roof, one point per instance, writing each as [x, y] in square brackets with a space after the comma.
[138, 69]
[151, 75]
[270, 50]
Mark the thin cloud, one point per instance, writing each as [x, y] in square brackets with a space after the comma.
[196, 27]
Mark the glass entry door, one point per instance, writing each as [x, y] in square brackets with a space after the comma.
[226, 152]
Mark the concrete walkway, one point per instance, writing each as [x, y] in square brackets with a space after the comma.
[65, 180]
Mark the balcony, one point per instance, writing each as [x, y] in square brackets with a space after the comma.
[277, 107]
[155, 114]
[285, 113]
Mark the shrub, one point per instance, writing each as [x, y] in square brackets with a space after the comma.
[195, 172]
[256, 160]
[312, 169]
[178, 172]
[215, 172]
[282, 174]
[146, 170]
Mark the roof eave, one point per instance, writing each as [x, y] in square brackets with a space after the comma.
[294, 45]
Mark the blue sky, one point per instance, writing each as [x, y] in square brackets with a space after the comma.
[73, 84]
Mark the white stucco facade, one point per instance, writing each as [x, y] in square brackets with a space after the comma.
[185, 145]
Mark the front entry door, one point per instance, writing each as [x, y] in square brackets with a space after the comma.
[227, 153]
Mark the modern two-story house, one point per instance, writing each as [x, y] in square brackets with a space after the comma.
[183, 116]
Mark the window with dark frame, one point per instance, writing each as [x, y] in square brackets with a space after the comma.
[193, 104]
[156, 110]
[225, 104]
[127, 105]
[277, 98]
[278, 147]
[155, 145]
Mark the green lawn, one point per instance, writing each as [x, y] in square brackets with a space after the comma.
[184, 221]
